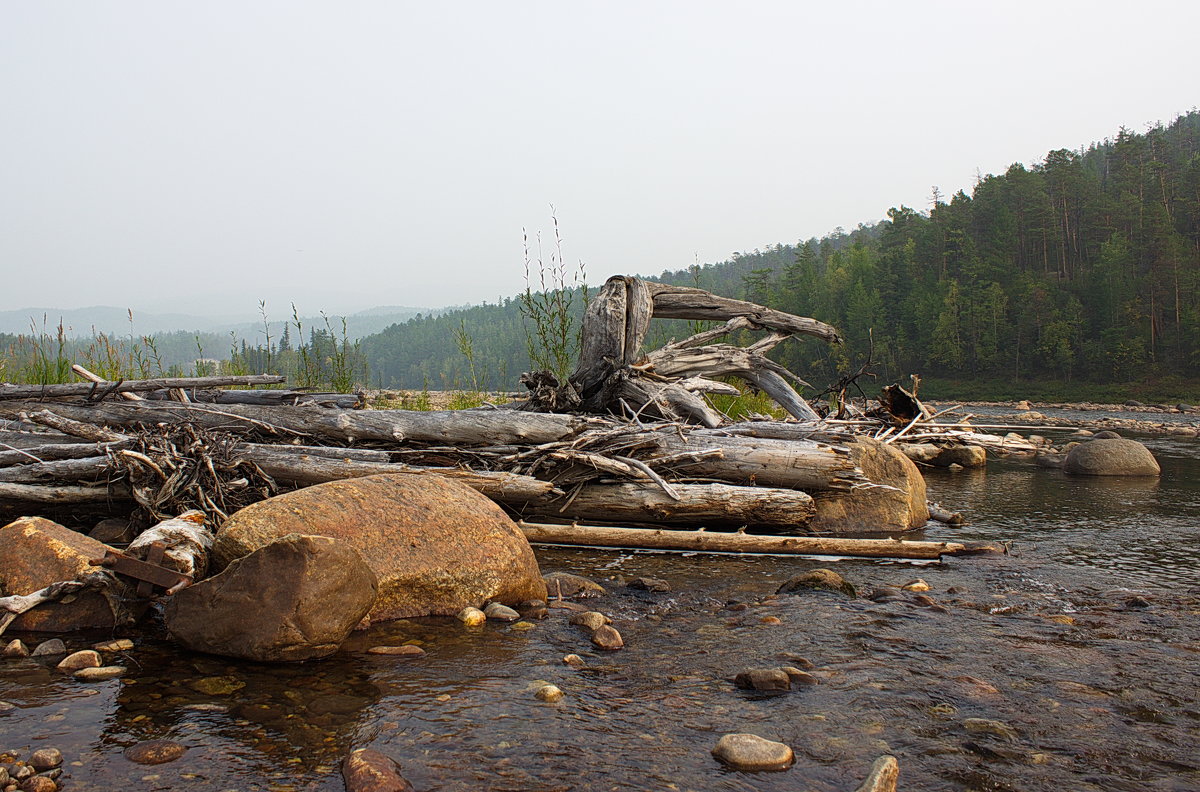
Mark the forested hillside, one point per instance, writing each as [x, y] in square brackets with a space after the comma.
[1084, 267]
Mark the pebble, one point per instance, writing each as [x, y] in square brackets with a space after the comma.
[564, 584]
[399, 651]
[153, 752]
[6, 707]
[99, 674]
[607, 637]
[987, 726]
[16, 648]
[54, 646]
[522, 626]
[753, 753]
[574, 661]
[216, 685]
[549, 694]
[499, 612]
[799, 677]
[472, 617]
[117, 645]
[770, 620]
[46, 759]
[916, 585]
[591, 620]
[368, 770]
[797, 659]
[88, 658]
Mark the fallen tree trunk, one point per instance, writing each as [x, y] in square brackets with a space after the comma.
[45, 495]
[716, 542]
[693, 504]
[798, 464]
[87, 469]
[56, 451]
[131, 386]
[452, 427]
[346, 401]
[509, 489]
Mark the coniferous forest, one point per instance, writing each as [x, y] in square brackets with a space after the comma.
[1083, 268]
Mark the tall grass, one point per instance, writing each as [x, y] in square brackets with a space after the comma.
[551, 328]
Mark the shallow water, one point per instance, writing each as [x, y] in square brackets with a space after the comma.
[1098, 688]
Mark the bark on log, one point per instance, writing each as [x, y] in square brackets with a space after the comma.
[43, 495]
[697, 504]
[682, 302]
[509, 489]
[451, 427]
[131, 386]
[799, 464]
[77, 428]
[87, 469]
[56, 451]
[717, 542]
[346, 401]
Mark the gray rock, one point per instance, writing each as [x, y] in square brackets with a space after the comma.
[308, 593]
[6, 707]
[752, 753]
[1108, 457]
[499, 612]
[367, 770]
[1106, 434]
[54, 646]
[967, 456]
[649, 584]
[817, 579]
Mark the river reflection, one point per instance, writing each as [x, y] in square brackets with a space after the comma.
[1077, 652]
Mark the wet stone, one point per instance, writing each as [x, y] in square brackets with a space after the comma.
[38, 783]
[574, 661]
[117, 645]
[88, 658]
[472, 617]
[54, 646]
[590, 620]
[499, 612]
[752, 753]
[994, 728]
[649, 584]
[885, 594]
[46, 759]
[367, 770]
[882, 778]
[916, 585]
[608, 638]
[15, 648]
[6, 707]
[818, 580]
[765, 680]
[398, 651]
[216, 685]
[564, 584]
[550, 694]
[99, 674]
[153, 752]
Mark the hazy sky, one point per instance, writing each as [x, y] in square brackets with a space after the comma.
[201, 156]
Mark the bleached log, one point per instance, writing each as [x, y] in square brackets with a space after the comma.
[85, 469]
[718, 542]
[694, 504]
[56, 451]
[797, 464]
[683, 302]
[14, 605]
[48, 495]
[187, 542]
[96, 378]
[75, 427]
[450, 427]
[132, 386]
[505, 488]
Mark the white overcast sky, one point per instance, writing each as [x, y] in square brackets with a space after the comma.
[201, 156]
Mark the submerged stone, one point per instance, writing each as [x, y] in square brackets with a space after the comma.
[752, 753]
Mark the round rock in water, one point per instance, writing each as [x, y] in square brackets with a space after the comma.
[38, 783]
[818, 579]
[753, 753]
[367, 770]
[1111, 458]
[397, 651]
[99, 674]
[608, 638]
[46, 759]
[54, 646]
[88, 658]
[152, 752]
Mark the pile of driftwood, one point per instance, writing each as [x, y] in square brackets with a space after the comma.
[626, 440]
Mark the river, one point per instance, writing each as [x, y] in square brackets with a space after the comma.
[1081, 644]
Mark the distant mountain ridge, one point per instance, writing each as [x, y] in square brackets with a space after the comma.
[110, 320]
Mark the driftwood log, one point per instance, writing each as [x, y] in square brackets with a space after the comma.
[131, 386]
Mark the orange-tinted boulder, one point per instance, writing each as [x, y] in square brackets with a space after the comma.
[435, 545]
[35, 552]
[899, 505]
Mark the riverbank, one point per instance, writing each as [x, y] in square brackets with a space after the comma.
[1182, 420]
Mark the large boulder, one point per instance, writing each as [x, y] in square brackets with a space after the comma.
[293, 599]
[436, 545]
[35, 552]
[1111, 458]
[898, 506]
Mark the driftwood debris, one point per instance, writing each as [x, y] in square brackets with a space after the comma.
[628, 439]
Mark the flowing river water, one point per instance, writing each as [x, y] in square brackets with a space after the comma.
[1078, 652]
